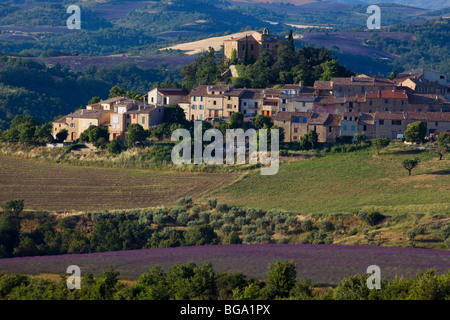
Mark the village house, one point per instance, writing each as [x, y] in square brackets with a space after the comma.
[77, 122]
[165, 96]
[294, 124]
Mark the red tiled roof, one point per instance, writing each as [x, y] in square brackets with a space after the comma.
[427, 98]
[319, 118]
[389, 116]
[172, 92]
[387, 94]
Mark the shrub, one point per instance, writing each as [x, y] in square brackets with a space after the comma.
[217, 224]
[226, 229]
[344, 139]
[232, 238]
[161, 218]
[281, 228]
[248, 229]
[326, 225]
[174, 212]
[212, 203]
[262, 223]
[373, 218]
[242, 221]
[291, 221]
[183, 218]
[254, 214]
[362, 214]
[114, 147]
[447, 242]
[196, 209]
[215, 216]
[229, 217]
[307, 225]
[445, 230]
[222, 207]
[184, 201]
[205, 216]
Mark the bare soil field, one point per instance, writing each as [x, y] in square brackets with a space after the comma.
[56, 187]
[195, 47]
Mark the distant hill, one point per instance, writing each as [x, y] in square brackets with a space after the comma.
[434, 4]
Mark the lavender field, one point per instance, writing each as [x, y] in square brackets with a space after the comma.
[321, 263]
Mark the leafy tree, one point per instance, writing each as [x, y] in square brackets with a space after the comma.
[236, 120]
[380, 143]
[250, 292]
[373, 218]
[136, 134]
[62, 135]
[174, 114]
[309, 140]
[443, 141]
[410, 164]
[200, 235]
[114, 147]
[331, 69]
[352, 288]
[232, 238]
[95, 135]
[281, 278]
[153, 285]
[415, 132]
[94, 100]
[117, 91]
[13, 207]
[233, 58]
[261, 121]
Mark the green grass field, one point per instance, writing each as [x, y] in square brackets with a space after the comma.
[349, 182]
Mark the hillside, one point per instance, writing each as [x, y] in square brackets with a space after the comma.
[346, 183]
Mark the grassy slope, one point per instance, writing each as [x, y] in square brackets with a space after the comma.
[345, 183]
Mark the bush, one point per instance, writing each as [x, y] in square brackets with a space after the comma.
[445, 231]
[212, 203]
[262, 223]
[254, 214]
[204, 216]
[374, 218]
[184, 201]
[114, 147]
[248, 229]
[183, 218]
[362, 214]
[232, 238]
[222, 207]
[326, 225]
[447, 242]
[307, 225]
[344, 139]
[174, 212]
[281, 228]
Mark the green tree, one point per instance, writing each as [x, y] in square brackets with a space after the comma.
[153, 285]
[443, 142]
[114, 147]
[174, 114]
[136, 134]
[200, 235]
[233, 58]
[236, 120]
[94, 100]
[380, 143]
[13, 207]
[309, 140]
[117, 91]
[415, 132]
[261, 121]
[410, 164]
[331, 69]
[281, 278]
[62, 135]
[352, 288]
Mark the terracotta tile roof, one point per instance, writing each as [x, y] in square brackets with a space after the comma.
[389, 116]
[60, 120]
[356, 80]
[172, 92]
[87, 114]
[319, 118]
[387, 94]
[323, 85]
[334, 120]
[291, 87]
[199, 91]
[185, 99]
[252, 94]
[235, 93]
[427, 98]
[429, 116]
[366, 118]
[305, 98]
[325, 100]
[288, 116]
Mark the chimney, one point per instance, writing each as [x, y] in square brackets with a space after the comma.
[82, 111]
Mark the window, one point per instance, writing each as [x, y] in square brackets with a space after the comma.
[297, 119]
[201, 107]
[364, 128]
[381, 122]
[397, 122]
[436, 123]
[245, 104]
[353, 128]
[294, 137]
[201, 98]
[214, 102]
[251, 47]
[295, 130]
[329, 129]
[345, 127]
[305, 120]
[194, 107]
[115, 119]
[370, 102]
[152, 99]
[71, 125]
[363, 89]
[143, 120]
[193, 98]
[303, 104]
[340, 89]
[386, 101]
[403, 102]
